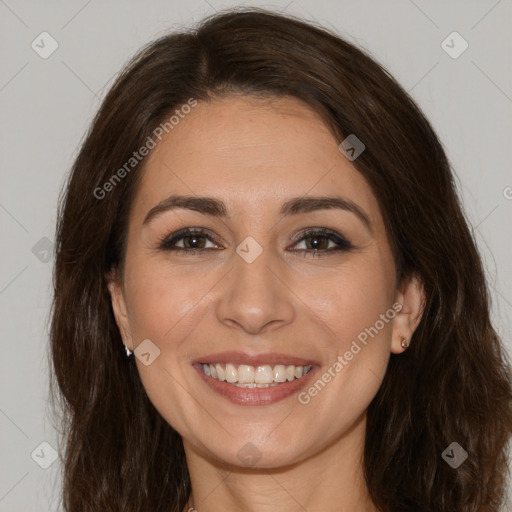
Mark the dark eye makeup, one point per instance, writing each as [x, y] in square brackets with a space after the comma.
[316, 239]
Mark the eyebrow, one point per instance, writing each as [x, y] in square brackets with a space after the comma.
[295, 206]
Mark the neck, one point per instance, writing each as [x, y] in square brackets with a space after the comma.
[331, 480]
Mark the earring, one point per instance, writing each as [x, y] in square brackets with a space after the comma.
[405, 343]
[128, 351]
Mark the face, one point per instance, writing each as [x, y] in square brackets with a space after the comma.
[267, 284]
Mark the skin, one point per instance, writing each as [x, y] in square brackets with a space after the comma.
[255, 154]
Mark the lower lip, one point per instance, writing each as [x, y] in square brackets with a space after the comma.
[255, 396]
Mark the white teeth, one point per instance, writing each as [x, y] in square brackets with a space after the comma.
[254, 385]
[264, 375]
[259, 376]
[279, 373]
[231, 373]
[220, 372]
[245, 374]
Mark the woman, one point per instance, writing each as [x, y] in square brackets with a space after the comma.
[267, 296]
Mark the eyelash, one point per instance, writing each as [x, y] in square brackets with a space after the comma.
[168, 242]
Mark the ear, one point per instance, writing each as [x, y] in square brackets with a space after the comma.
[116, 290]
[412, 298]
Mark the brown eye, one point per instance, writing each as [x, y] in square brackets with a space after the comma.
[323, 240]
[192, 240]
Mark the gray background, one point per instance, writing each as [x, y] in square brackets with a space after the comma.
[47, 104]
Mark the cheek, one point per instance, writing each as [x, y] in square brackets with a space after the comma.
[351, 300]
[358, 354]
[163, 303]
[165, 310]
[167, 307]
[355, 306]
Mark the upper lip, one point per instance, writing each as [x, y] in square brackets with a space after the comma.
[253, 359]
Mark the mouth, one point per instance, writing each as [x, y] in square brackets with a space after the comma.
[261, 376]
[255, 380]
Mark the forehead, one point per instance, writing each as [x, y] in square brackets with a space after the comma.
[252, 154]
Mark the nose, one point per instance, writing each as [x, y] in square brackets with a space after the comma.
[256, 295]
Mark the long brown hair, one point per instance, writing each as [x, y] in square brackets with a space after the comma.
[452, 385]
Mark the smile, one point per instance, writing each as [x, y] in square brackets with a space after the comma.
[260, 376]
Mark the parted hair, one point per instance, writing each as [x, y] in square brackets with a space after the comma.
[453, 384]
